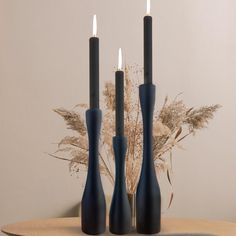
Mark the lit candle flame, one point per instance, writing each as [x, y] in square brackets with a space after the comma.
[148, 7]
[120, 60]
[94, 25]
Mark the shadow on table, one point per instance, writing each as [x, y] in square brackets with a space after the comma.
[160, 234]
[74, 212]
[75, 230]
[187, 234]
[180, 234]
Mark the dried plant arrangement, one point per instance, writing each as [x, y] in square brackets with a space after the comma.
[172, 124]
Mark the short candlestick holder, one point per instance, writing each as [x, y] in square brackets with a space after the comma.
[148, 199]
[120, 211]
[93, 217]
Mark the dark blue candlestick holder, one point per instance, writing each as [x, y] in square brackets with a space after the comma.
[120, 212]
[148, 199]
[93, 217]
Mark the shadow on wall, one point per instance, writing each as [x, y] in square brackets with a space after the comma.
[76, 210]
[72, 212]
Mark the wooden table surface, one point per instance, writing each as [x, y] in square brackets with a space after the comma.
[71, 227]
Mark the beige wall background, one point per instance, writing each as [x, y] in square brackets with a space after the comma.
[44, 65]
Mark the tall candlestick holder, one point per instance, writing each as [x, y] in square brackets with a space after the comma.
[93, 217]
[148, 199]
[120, 212]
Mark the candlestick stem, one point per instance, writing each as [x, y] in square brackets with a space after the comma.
[148, 191]
[120, 212]
[93, 218]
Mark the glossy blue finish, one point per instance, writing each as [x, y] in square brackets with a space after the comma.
[120, 212]
[93, 217]
[148, 199]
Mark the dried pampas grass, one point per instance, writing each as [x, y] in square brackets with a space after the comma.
[172, 124]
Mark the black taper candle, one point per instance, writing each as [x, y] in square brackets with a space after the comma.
[119, 103]
[94, 72]
[147, 29]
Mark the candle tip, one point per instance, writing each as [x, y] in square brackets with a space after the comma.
[148, 7]
[120, 60]
[94, 25]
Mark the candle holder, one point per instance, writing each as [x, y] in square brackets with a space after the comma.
[148, 199]
[120, 211]
[93, 217]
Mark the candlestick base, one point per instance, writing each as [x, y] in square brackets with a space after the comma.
[148, 200]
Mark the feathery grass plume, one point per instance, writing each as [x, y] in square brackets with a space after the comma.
[199, 118]
[72, 119]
